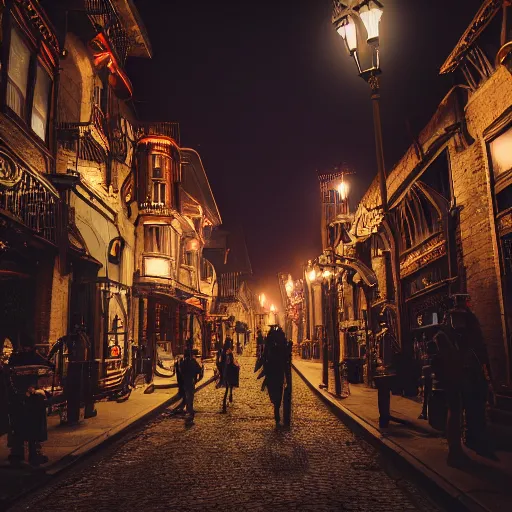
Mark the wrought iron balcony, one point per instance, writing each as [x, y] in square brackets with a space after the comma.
[164, 129]
[150, 208]
[28, 199]
[103, 14]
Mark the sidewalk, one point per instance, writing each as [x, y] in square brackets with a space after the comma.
[484, 486]
[66, 445]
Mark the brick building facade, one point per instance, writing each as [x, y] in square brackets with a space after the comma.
[447, 230]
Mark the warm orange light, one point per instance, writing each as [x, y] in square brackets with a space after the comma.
[312, 275]
[157, 139]
[289, 286]
[273, 308]
[104, 56]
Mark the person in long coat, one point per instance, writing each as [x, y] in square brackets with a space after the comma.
[229, 372]
[277, 371]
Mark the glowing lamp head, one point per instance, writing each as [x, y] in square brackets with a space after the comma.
[347, 30]
[312, 275]
[263, 299]
[273, 308]
[371, 14]
[326, 274]
[343, 190]
[289, 286]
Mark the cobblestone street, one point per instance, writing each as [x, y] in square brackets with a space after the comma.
[237, 461]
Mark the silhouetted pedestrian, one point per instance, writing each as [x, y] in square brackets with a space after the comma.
[229, 372]
[191, 374]
[462, 366]
[27, 409]
[277, 372]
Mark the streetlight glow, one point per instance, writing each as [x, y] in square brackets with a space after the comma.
[263, 299]
[370, 16]
[289, 286]
[343, 190]
[312, 275]
[272, 308]
[347, 30]
[326, 273]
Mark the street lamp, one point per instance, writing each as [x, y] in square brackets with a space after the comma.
[289, 286]
[358, 25]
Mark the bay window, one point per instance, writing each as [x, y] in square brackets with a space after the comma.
[157, 239]
[159, 176]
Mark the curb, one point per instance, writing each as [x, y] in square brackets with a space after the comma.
[435, 484]
[93, 445]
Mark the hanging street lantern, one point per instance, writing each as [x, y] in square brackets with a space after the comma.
[358, 23]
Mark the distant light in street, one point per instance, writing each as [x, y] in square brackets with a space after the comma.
[273, 308]
[289, 286]
[343, 190]
[263, 299]
[326, 273]
[312, 275]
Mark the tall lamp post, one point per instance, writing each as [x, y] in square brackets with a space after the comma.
[357, 22]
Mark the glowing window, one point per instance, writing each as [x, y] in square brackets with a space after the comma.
[17, 74]
[501, 153]
[41, 100]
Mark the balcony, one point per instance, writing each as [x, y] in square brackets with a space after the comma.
[102, 13]
[164, 129]
[159, 209]
[28, 199]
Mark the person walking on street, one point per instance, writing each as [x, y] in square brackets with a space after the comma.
[276, 362]
[260, 342]
[229, 372]
[191, 374]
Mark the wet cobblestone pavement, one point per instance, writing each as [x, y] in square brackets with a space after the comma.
[236, 461]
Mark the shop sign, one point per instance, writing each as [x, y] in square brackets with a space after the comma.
[428, 252]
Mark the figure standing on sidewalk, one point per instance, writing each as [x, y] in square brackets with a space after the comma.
[229, 372]
[27, 408]
[463, 366]
[191, 374]
[277, 371]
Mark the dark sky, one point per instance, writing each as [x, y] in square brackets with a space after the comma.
[267, 94]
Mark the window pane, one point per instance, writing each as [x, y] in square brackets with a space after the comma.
[158, 192]
[157, 239]
[41, 100]
[501, 153]
[19, 59]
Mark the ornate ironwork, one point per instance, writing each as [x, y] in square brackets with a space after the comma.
[31, 201]
[163, 129]
[103, 14]
[485, 14]
[10, 171]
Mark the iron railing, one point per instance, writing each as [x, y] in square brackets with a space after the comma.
[165, 129]
[33, 204]
[103, 13]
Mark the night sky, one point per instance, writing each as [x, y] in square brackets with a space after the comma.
[266, 93]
